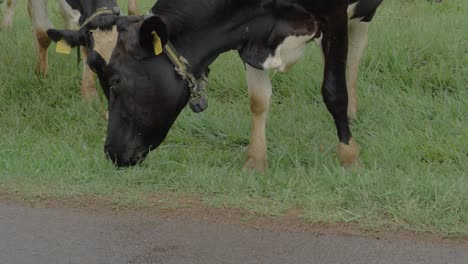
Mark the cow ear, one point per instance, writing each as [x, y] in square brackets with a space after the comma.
[153, 34]
[72, 37]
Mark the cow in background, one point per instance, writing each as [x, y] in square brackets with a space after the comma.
[11, 4]
[38, 12]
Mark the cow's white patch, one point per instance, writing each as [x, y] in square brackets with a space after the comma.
[70, 15]
[318, 39]
[287, 53]
[105, 42]
[351, 10]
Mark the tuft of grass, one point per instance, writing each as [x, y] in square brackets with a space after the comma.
[412, 127]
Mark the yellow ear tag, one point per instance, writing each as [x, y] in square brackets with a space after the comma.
[158, 48]
[63, 47]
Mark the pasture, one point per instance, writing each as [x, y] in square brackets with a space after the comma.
[412, 127]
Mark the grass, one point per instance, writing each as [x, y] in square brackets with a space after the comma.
[412, 127]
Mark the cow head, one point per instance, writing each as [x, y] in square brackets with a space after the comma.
[146, 94]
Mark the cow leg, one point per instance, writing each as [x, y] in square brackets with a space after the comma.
[356, 47]
[9, 13]
[133, 8]
[37, 10]
[70, 16]
[88, 83]
[334, 88]
[260, 94]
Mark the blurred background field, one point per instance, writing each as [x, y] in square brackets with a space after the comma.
[412, 126]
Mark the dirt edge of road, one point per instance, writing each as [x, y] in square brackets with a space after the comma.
[193, 208]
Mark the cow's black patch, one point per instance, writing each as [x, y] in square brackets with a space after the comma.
[365, 9]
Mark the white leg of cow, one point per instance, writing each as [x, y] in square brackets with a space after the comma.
[9, 13]
[356, 47]
[70, 16]
[133, 8]
[88, 83]
[260, 94]
[37, 10]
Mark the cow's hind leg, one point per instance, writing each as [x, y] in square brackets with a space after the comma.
[88, 83]
[37, 10]
[133, 8]
[357, 44]
[9, 13]
[260, 94]
[70, 17]
[334, 88]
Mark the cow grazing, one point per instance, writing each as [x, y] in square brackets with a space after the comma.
[146, 95]
[11, 4]
[38, 12]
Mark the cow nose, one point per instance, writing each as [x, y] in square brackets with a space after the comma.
[116, 10]
[125, 158]
[121, 161]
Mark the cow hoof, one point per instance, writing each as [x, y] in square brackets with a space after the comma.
[349, 155]
[255, 165]
[40, 72]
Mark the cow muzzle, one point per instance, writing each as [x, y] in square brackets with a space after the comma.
[125, 159]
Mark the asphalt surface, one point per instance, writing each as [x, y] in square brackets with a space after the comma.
[62, 236]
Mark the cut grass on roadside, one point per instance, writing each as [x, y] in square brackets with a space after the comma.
[412, 127]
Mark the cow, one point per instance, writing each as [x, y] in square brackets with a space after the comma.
[146, 95]
[11, 4]
[73, 15]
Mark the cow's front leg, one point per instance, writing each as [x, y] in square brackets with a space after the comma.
[260, 95]
[88, 83]
[335, 95]
[357, 44]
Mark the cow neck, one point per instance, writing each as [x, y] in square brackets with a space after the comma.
[201, 42]
[201, 38]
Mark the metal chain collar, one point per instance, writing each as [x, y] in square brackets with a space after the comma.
[198, 102]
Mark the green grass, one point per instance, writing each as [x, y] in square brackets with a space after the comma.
[412, 127]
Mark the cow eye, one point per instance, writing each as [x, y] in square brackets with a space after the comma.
[114, 80]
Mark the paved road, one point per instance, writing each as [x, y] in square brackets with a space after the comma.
[49, 236]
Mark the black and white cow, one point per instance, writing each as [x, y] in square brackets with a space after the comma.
[74, 13]
[146, 94]
[11, 4]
